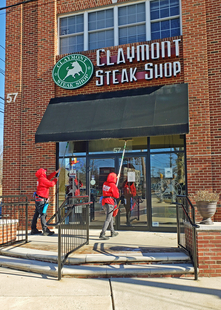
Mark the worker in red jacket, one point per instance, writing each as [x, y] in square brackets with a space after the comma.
[110, 194]
[129, 191]
[73, 189]
[41, 197]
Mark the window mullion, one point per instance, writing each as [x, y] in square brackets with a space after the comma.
[181, 31]
[116, 32]
[58, 33]
[148, 23]
[86, 31]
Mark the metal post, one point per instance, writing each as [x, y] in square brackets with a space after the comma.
[195, 254]
[87, 222]
[59, 252]
[178, 224]
[26, 222]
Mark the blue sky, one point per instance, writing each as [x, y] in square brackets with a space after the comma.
[2, 65]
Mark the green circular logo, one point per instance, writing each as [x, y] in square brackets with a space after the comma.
[72, 71]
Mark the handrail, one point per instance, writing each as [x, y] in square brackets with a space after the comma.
[66, 215]
[193, 225]
[15, 206]
[65, 241]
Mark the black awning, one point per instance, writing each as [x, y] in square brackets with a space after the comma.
[159, 110]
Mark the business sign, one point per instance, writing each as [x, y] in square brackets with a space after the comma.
[72, 71]
[168, 173]
[145, 53]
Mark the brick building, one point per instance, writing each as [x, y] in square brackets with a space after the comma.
[83, 76]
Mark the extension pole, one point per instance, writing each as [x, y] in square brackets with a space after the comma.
[63, 158]
[122, 158]
[57, 185]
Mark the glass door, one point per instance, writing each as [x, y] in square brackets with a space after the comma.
[99, 170]
[132, 185]
[167, 181]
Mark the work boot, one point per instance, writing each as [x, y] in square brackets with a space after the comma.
[103, 237]
[36, 232]
[48, 232]
[114, 234]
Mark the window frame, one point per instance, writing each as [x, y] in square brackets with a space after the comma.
[115, 27]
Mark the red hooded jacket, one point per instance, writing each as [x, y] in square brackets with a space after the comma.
[44, 182]
[129, 188]
[110, 189]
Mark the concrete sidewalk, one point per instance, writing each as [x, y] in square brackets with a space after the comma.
[23, 291]
[126, 241]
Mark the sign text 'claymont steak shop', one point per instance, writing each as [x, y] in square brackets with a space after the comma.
[75, 70]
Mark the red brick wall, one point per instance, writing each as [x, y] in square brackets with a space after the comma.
[209, 253]
[202, 58]
[196, 74]
[30, 55]
[208, 245]
[8, 231]
[214, 63]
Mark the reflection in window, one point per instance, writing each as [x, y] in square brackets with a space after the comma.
[167, 181]
[95, 29]
[117, 145]
[165, 21]
[167, 143]
[72, 148]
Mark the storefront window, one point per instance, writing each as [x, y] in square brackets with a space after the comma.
[167, 143]
[71, 148]
[167, 181]
[71, 168]
[117, 145]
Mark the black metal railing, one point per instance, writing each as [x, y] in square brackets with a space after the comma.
[186, 228]
[72, 221]
[13, 219]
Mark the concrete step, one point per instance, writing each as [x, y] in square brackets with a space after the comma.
[91, 271]
[79, 259]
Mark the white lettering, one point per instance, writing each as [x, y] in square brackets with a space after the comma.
[155, 50]
[142, 47]
[176, 68]
[115, 80]
[11, 97]
[163, 49]
[109, 63]
[148, 67]
[177, 46]
[120, 56]
[98, 57]
[157, 73]
[168, 69]
[99, 75]
[124, 76]
[130, 53]
[132, 74]
[108, 77]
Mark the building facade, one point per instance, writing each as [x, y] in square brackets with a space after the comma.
[86, 79]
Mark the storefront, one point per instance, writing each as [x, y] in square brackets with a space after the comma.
[94, 76]
[96, 128]
[155, 165]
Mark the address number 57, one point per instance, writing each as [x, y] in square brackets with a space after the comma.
[11, 97]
